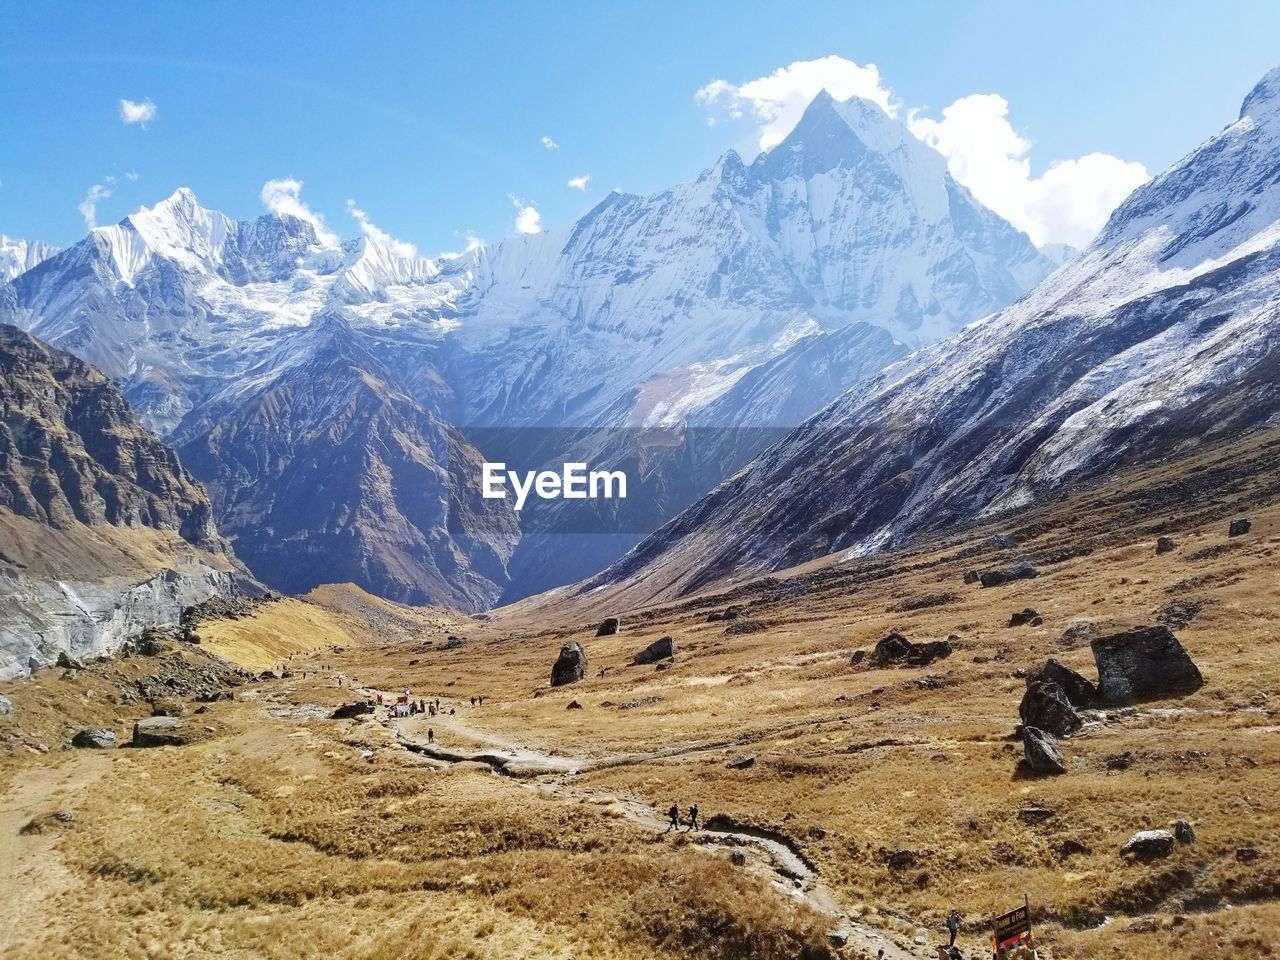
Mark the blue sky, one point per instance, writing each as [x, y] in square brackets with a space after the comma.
[430, 116]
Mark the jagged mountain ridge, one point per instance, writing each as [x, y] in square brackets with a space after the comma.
[648, 310]
[18, 256]
[1163, 335]
[850, 218]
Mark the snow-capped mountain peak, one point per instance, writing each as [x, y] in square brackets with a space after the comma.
[1263, 102]
[18, 256]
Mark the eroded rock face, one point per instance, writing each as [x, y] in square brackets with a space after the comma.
[1045, 707]
[1042, 751]
[1146, 663]
[570, 666]
[663, 649]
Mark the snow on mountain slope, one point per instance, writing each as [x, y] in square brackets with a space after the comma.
[1163, 335]
[175, 298]
[849, 219]
[19, 256]
[750, 296]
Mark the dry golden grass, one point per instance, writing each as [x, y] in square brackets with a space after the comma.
[279, 837]
[279, 631]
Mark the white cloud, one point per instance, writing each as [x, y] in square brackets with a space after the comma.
[528, 219]
[284, 196]
[375, 233]
[550, 144]
[88, 207]
[473, 243]
[777, 101]
[580, 183]
[131, 175]
[1068, 203]
[135, 111]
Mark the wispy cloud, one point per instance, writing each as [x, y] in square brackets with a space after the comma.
[528, 219]
[137, 111]
[580, 183]
[550, 144]
[375, 233]
[473, 243]
[89, 205]
[284, 196]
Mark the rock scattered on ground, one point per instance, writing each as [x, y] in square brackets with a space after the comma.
[731, 612]
[1025, 618]
[1165, 545]
[1022, 570]
[1238, 527]
[1080, 692]
[165, 732]
[1146, 663]
[570, 665]
[1042, 751]
[663, 649]
[1149, 844]
[94, 739]
[1183, 832]
[894, 649]
[741, 763]
[350, 711]
[1045, 707]
[641, 702]
[608, 627]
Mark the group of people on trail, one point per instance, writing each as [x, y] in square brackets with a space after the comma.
[477, 701]
[673, 818]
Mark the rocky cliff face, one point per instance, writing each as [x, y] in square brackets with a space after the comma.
[71, 451]
[326, 471]
[102, 531]
[1163, 335]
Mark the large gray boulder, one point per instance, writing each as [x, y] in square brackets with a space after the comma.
[1081, 693]
[570, 666]
[1045, 707]
[163, 732]
[1022, 570]
[94, 739]
[608, 627]
[1042, 751]
[894, 648]
[1149, 844]
[1146, 663]
[663, 649]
